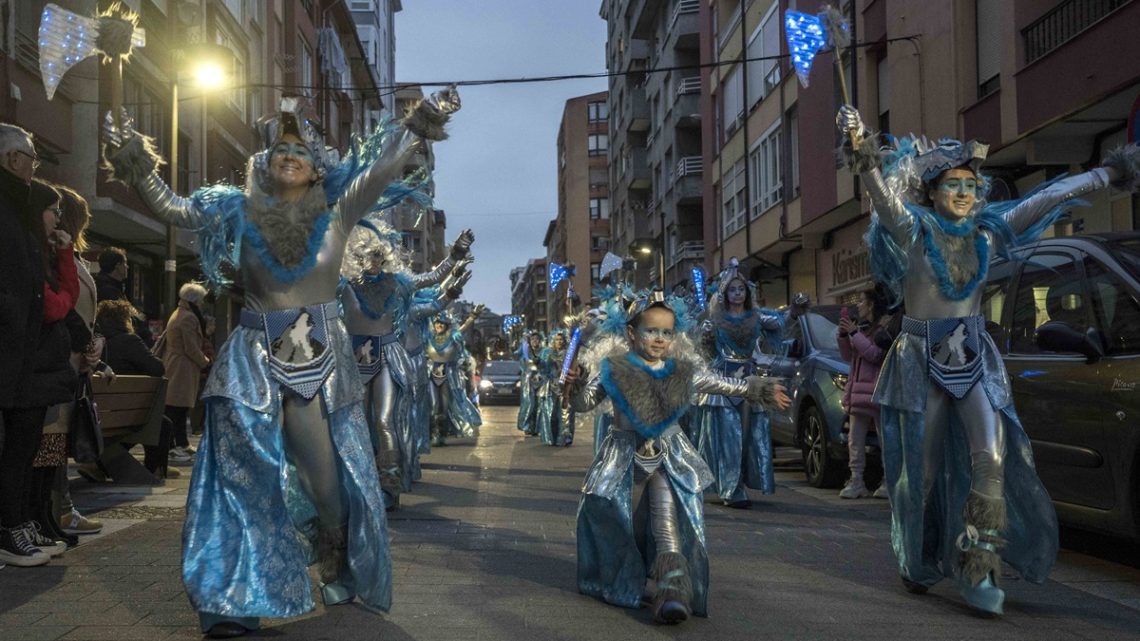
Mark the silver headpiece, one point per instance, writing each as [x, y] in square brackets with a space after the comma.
[933, 159]
[655, 298]
[290, 119]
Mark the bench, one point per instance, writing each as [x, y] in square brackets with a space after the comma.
[130, 411]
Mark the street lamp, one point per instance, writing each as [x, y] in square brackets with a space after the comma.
[644, 247]
[209, 74]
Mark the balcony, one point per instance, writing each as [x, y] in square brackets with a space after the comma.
[1063, 23]
[690, 250]
[688, 187]
[636, 55]
[636, 110]
[684, 26]
[635, 169]
[686, 111]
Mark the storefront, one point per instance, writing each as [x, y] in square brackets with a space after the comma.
[844, 268]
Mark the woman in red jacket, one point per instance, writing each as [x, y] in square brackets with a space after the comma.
[863, 343]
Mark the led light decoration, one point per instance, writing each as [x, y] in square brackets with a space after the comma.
[571, 353]
[558, 273]
[67, 38]
[699, 286]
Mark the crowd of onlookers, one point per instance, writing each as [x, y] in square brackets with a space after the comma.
[61, 325]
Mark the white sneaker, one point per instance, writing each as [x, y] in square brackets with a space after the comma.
[51, 546]
[854, 490]
[16, 549]
[179, 455]
[881, 491]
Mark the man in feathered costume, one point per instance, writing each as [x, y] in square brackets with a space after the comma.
[452, 412]
[376, 298]
[733, 437]
[959, 467]
[284, 472]
[655, 554]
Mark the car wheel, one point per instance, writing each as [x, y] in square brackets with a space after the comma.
[821, 469]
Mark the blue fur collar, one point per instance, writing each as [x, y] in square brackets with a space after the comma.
[660, 418]
[297, 272]
[938, 261]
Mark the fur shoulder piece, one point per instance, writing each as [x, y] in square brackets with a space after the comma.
[652, 400]
[1126, 161]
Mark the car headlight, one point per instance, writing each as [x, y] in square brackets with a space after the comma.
[486, 384]
[518, 384]
[839, 379]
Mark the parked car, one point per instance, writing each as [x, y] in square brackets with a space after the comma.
[1067, 323]
[815, 375]
[500, 382]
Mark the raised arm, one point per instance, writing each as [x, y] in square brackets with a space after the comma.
[133, 159]
[1032, 209]
[864, 160]
[466, 325]
[457, 258]
[424, 121]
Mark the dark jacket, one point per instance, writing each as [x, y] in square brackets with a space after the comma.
[125, 353]
[107, 288]
[51, 379]
[21, 289]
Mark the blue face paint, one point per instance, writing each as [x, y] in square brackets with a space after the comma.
[656, 332]
[292, 149]
[959, 186]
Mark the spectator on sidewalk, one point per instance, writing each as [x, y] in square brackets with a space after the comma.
[21, 313]
[113, 268]
[74, 220]
[863, 342]
[46, 379]
[126, 353]
[184, 360]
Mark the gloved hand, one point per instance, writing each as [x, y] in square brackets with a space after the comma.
[849, 121]
[427, 117]
[462, 245]
[456, 289]
[130, 155]
[116, 137]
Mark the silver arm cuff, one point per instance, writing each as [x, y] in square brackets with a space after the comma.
[1033, 208]
[169, 206]
[706, 382]
[889, 207]
[365, 190]
[435, 276]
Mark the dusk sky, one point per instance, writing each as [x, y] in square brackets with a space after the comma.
[497, 173]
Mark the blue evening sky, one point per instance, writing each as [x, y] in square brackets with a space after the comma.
[497, 173]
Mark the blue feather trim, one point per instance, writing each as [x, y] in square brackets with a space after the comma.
[605, 379]
[660, 373]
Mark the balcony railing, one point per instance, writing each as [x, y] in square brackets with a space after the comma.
[688, 250]
[689, 166]
[1063, 23]
[689, 85]
[683, 7]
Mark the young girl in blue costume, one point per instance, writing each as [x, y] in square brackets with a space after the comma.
[959, 467]
[529, 352]
[377, 298]
[655, 553]
[733, 437]
[284, 474]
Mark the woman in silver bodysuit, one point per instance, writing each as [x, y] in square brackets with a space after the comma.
[963, 490]
[287, 447]
[452, 412]
[377, 296]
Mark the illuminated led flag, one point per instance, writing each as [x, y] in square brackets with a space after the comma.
[610, 262]
[558, 273]
[699, 286]
[65, 39]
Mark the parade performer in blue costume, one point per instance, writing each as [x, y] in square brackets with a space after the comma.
[452, 413]
[655, 553]
[733, 437]
[427, 304]
[529, 382]
[284, 473]
[959, 467]
[376, 298]
[555, 421]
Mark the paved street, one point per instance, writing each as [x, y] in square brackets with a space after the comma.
[484, 549]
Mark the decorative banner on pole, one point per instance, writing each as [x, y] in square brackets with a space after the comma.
[610, 262]
[699, 287]
[510, 321]
[558, 273]
[66, 38]
[806, 38]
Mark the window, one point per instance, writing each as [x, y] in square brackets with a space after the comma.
[732, 101]
[1049, 289]
[989, 45]
[732, 195]
[597, 111]
[599, 208]
[1115, 312]
[304, 67]
[764, 159]
[993, 302]
[793, 129]
[599, 243]
[597, 144]
[595, 272]
[764, 75]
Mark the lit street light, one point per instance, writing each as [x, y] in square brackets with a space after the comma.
[645, 247]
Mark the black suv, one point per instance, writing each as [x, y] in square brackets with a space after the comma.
[499, 382]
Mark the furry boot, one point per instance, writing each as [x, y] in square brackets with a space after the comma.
[391, 478]
[672, 600]
[980, 564]
[332, 552]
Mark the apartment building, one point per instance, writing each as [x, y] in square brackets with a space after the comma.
[580, 234]
[529, 293]
[963, 69]
[423, 226]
